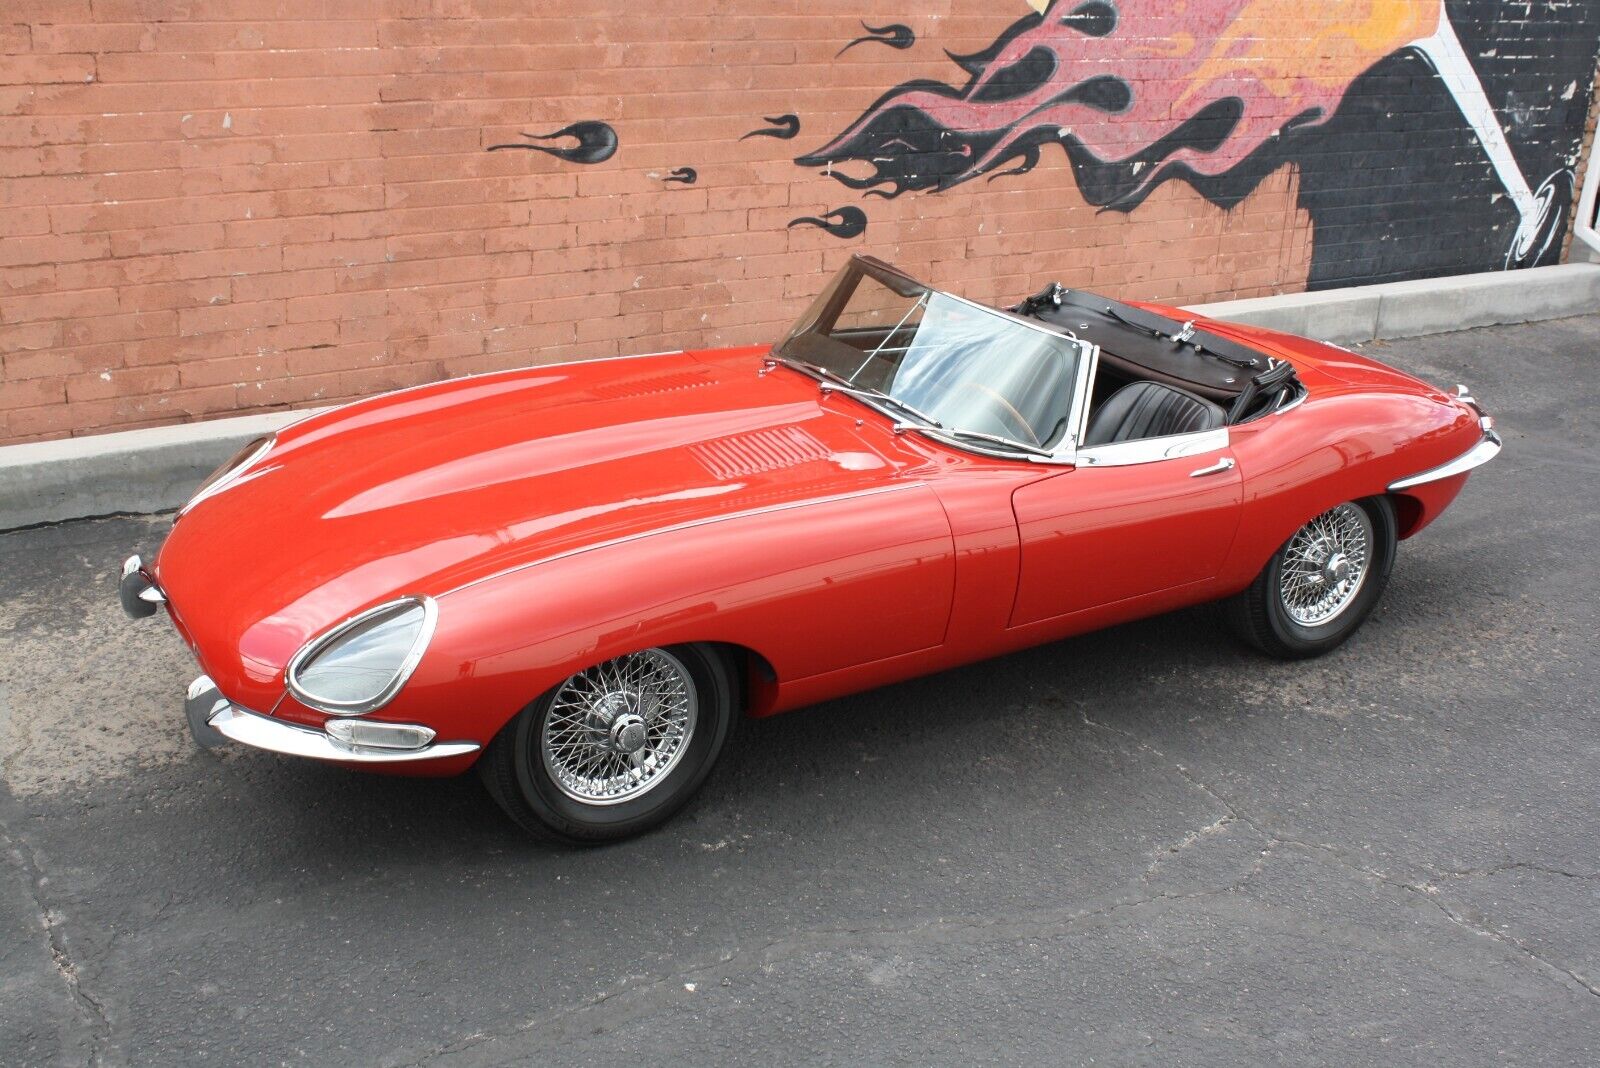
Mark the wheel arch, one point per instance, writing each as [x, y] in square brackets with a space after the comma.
[1299, 464]
[757, 679]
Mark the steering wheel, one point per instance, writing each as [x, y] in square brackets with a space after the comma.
[1004, 411]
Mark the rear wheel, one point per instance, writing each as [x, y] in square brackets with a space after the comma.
[615, 749]
[1321, 583]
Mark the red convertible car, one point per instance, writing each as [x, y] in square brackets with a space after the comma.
[576, 577]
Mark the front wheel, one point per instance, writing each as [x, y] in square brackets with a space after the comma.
[615, 749]
[1321, 583]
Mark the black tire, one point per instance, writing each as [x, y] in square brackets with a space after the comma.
[1258, 614]
[515, 773]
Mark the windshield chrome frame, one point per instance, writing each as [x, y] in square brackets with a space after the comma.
[1064, 453]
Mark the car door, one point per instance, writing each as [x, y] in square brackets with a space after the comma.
[1129, 520]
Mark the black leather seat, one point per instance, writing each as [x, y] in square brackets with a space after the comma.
[1151, 410]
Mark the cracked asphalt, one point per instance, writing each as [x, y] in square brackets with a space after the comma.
[1147, 845]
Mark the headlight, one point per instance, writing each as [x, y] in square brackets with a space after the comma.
[229, 471]
[361, 664]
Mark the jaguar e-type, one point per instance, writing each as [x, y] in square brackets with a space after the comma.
[577, 577]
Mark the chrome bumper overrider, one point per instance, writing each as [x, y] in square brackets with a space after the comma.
[138, 592]
[1477, 456]
[213, 719]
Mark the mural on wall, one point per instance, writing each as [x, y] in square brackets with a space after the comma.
[896, 35]
[1423, 141]
[595, 142]
[848, 221]
[1215, 93]
[783, 127]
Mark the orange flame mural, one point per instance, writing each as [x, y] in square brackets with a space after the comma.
[1132, 90]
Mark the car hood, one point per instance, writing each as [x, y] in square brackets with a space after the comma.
[421, 491]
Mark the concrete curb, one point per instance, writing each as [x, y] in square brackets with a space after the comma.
[151, 470]
[1424, 306]
[156, 470]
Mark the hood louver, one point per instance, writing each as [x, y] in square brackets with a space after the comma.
[742, 455]
[651, 384]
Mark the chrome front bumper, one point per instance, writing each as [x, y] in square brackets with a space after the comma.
[213, 720]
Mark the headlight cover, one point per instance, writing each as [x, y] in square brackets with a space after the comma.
[236, 466]
[361, 664]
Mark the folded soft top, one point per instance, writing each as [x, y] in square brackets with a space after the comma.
[1148, 345]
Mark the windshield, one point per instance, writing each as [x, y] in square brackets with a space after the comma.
[960, 365]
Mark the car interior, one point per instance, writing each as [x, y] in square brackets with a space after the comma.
[1156, 377]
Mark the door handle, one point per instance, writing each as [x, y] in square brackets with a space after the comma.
[1224, 464]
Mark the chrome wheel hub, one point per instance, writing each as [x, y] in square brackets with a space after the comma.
[1325, 565]
[617, 730]
[628, 734]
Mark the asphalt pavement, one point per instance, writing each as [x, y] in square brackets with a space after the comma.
[1147, 845]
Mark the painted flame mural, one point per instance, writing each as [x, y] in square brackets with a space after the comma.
[1199, 84]
[1137, 92]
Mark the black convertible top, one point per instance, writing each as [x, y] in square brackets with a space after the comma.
[1146, 345]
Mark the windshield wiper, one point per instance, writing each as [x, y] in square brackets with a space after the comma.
[884, 398]
[832, 380]
[976, 435]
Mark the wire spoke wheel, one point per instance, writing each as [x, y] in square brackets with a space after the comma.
[616, 730]
[1325, 565]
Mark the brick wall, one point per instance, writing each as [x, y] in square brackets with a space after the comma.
[236, 205]
[1585, 154]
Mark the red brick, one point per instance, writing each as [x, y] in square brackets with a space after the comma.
[337, 306]
[230, 317]
[131, 326]
[15, 40]
[191, 238]
[265, 233]
[18, 280]
[288, 284]
[40, 335]
[31, 392]
[68, 305]
[46, 69]
[52, 249]
[263, 339]
[121, 382]
[236, 370]
[159, 295]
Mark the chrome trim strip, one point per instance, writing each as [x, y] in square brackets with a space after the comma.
[1150, 450]
[430, 620]
[275, 736]
[1082, 395]
[689, 525]
[1477, 456]
[975, 442]
[231, 476]
[1088, 369]
[214, 718]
